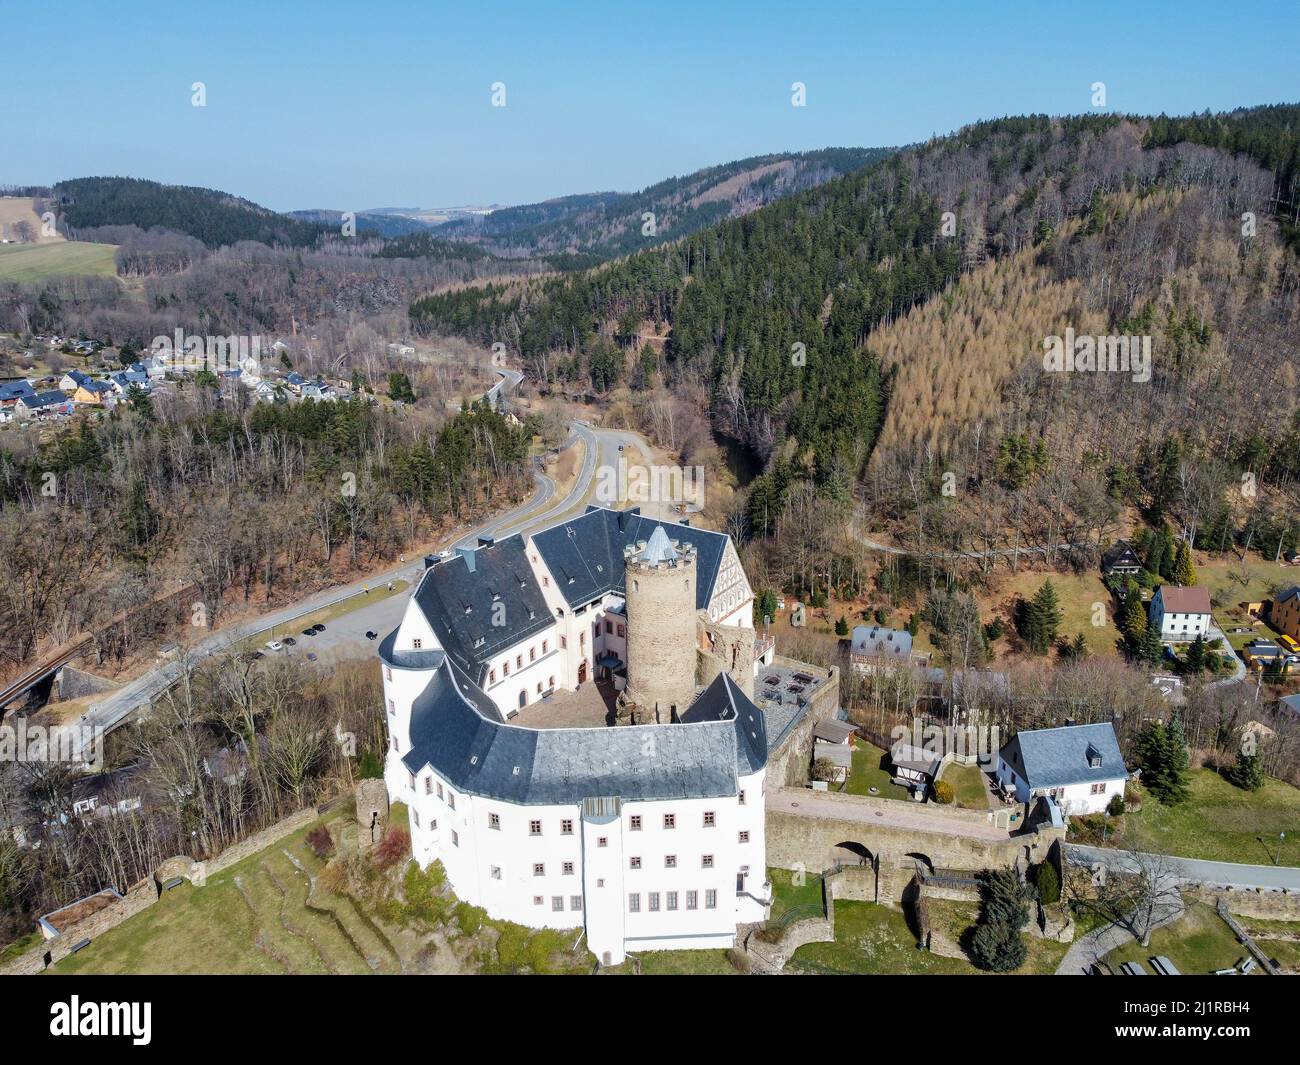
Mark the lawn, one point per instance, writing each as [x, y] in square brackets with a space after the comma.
[877, 939]
[967, 784]
[869, 772]
[1221, 579]
[1199, 942]
[36, 262]
[1220, 822]
[251, 918]
[1077, 593]
[787, 896]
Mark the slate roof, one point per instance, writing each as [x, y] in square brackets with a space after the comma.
[15, 389]
[1121, 553]
[833, 731]
[457, 731]
[585, 554]
[1284, 596]
[42, 399]
[1055, 757]
[478, 613]
[877, 640]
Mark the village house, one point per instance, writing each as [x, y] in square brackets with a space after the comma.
[1120, 559]
[1180, 614]
[1284, 612]
[1080, 767]
[42, 405]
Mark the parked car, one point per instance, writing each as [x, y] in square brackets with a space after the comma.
[274, 645]
[318, 627]
[289, 641]
[309, 632]
[371, 635]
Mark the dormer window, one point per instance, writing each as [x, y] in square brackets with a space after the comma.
[1094, 757]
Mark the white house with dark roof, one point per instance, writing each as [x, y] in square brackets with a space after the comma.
[1180, 614]
[647, 836]
[1079, 766]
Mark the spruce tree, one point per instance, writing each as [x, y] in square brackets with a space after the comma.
[1150, 648]
[1184, 568]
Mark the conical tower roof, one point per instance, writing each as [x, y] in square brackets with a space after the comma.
[658, 548]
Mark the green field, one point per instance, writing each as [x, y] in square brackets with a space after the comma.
[967, 784]
[876, 939]
[1199, 942]
[1078, 595]
[868, 772]
[36, 262]
[1220, 822]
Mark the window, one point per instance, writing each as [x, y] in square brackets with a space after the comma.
[505, 669]
[621, 632]
[534, 828]
[566, 827]
[451, 799]
[557, 903]
[742, 837]
[412, 779]
[496, 872]
[392, 707]
[550, 682]
[539, 687]
[539, 869]
[609, 628]
[546, 582]
[433, 825]
[394, 743]
[602, 841]
[455, 838]
[568, 868]
[692, 900]
[532, 654]
[415, 816]
[634, 823]
[1099, 789]
[388, 672]
[670, 861]
[707, 861]
[428, 785]
[634, 902]
[672, 900]
[494, 822]
[654, 901]
[742, 796]
[440, 789]
[545, 645]
[492, 676]
[519, 661]
[564, 642]
[710, 900]
[670, 820]
[634, 862]
[575, 902]
[537, 900]
[709, 819]
[417, 643]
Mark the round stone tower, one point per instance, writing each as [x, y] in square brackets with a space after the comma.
[660, 590]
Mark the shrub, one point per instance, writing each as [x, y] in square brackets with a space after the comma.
[469, 918]
[395, 846]
[1048, 883]
[943, 792]
[1116, 805]
[997, 944]
[320, 841]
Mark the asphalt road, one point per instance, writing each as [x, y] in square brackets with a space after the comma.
[344, 636]
[1195, 870]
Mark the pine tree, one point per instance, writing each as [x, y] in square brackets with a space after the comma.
[1247, 774]
[1178, 760]
[1150, 647]
[1042, 619]
[1184, 572]
[1133, 617]
[1196, 655]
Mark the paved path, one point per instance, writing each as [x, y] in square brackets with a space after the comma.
[1196, 870]
[891, 813]
[1101, 941]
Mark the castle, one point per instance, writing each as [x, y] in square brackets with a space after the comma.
[572, 726]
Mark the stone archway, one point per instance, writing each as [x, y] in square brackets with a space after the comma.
[860, 867]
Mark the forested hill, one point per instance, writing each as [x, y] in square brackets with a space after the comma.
[776, 311]
[593, 227]
[216, 218]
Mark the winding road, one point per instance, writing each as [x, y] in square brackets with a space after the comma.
[601, 447]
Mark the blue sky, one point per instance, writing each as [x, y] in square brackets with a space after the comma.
[389, 104]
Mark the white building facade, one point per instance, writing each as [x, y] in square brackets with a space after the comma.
[646, 836]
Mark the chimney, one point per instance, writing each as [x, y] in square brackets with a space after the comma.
[467, 553]
[430, 561]
[486, 541]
